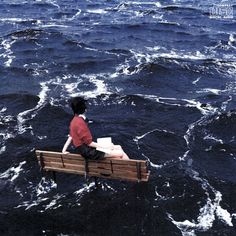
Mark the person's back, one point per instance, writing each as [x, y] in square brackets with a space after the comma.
[79, 131]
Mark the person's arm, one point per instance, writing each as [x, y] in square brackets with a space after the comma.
[66, 145]
[95, 145]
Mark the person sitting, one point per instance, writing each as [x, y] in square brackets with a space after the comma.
[81, 136]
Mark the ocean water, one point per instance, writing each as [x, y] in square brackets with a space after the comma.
[160, 78]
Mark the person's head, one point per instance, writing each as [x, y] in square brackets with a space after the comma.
[78, 105]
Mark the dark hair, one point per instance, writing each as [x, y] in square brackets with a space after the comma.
[78, 105]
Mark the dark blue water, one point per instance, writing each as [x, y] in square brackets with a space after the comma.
[160, 78]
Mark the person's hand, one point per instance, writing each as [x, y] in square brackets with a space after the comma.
[65, 152]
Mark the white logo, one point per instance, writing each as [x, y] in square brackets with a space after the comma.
[222, 11]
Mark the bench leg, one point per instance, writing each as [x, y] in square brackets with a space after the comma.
[96, 182]
[54, 176]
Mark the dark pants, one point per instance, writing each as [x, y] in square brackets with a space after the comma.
[90, 152]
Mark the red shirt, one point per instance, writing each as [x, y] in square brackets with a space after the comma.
[80, 132]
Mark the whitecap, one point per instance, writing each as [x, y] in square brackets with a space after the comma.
[54, 25]
[158, 4]
[207, 213]
[45, 186]
[196, 81]
[101, 87]
[206, 218]
[97, 11]
[54, 203]
[13, 172]
[22, 116]
[30, 204]
[3, 109]
[2, 149]
[76, 15]
[205, 110]
[136, 140]
[51, 2]
[211, 137]
[41, 137]
[231, 41]
[224, 216]
[211, 90]
[159, 196]
[6, 44]
[85, 189]
[14, 19]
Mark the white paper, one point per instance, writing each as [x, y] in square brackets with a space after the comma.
[105, 144]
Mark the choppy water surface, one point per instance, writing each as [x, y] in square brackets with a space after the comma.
[160, 78]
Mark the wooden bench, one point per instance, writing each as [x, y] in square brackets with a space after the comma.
[129, 170]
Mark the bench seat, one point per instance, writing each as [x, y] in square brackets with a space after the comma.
[110, 168]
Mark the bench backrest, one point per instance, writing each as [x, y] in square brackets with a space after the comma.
[130, 170]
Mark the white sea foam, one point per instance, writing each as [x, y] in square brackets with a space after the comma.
[97, 11]
[211, 90]
[54, 203]
[224, 216]
[208, 213]
[15, 19]
[72, 88]
[45, 186]
[3, 109]
[22, 117]
[106, 187]
[30, 204]
[85, 189]
[159, 196]
[231, 41]
[13, 172]
[173, 54]
[2, 149]
[206, 218]
[196, 81]
[54, 25]
[149, 132]
[205, 110]
[41, 137]
[51, 2]
[209, 136]
[155, 53]
[8, 54]
[143, 3]
[6, 136]
[76, 15]
[137, 138]
[101, 87]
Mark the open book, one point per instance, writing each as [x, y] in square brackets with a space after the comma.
[105, 144]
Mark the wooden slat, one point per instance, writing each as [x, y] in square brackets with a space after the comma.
[121, 163]
[94, 169]
[74, 156]
[97, 174]
[93, 164]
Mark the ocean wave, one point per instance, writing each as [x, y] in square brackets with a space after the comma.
[208, 213]
[88, 63]
[12, 173]
[181, 8]
[26, 33]
[20, 20]
[8, 54]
